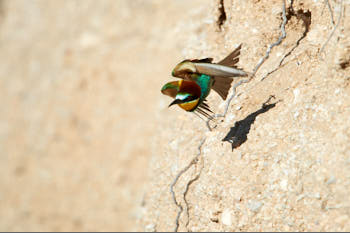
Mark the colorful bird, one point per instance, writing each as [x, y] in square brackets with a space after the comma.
[205, 75]
[189, 96]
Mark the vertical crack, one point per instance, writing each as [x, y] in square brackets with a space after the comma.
[306, 18]
[330, 11]
[186, 192]
[261, 61]
[278, 42]
[172, 186]
[335, 26]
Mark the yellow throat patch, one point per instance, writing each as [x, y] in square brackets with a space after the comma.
[190, 105]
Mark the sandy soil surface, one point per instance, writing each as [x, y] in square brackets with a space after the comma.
[88, 143]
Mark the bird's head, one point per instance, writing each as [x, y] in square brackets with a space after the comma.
[186, 94]
[186, 101]
[171, 88]
[184, 69]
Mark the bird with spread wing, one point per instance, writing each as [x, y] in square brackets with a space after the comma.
[199, 76]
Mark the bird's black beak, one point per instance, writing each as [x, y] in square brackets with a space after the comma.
[176, 101]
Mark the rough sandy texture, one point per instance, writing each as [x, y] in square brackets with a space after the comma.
[88, 143]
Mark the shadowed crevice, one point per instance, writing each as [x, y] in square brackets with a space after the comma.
[238, 134]
[305, 16]
[222, 17]
[345, 64]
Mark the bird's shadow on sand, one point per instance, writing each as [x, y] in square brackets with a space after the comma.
[238, 133]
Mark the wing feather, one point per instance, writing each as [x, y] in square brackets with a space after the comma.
[232, 58]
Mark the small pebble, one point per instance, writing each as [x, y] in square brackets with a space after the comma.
[226, 218]
[331, 180]
[254, 206]
[150, 228]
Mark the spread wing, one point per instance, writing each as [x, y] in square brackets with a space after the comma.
[204, 60]
[187, 75]
[222, 85]
[222, 82]
[232, 59]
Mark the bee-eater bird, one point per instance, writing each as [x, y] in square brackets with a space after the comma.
[199, 77]
[188, 95]
[207, 75]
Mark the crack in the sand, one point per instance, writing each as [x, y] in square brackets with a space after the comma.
[335, 26]
[306, 18]
[195, 159]
[260, 63]
[186, 191]
[178, 204]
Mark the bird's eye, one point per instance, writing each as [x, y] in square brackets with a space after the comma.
[190, 98]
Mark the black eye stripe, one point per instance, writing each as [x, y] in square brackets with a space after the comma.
[190, 98]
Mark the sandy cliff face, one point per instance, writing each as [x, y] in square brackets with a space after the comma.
[88, 143]
[288, 165]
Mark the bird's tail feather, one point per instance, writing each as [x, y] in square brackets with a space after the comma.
[204, 110]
